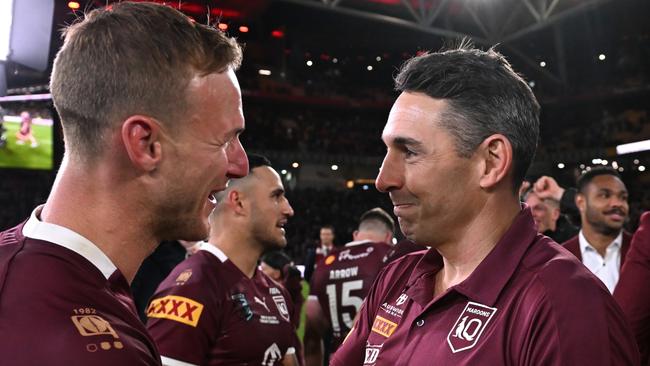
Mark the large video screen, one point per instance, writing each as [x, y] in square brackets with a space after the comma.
[26, 132]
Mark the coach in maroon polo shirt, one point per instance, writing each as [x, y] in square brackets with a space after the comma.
[491, 290]
[151, 114]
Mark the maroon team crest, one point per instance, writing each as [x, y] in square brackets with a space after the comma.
[282, 306]
[469, 326]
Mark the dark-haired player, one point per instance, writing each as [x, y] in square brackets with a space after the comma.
[217, 307]
[490, 290]
[341, 282]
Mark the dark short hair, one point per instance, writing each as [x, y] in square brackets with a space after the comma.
[485, 97]
[131, 58]
[589, 175]
[328, 226]
[378, 214]
[276, 259]
[257, 160]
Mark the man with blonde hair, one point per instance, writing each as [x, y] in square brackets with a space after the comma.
[151, 113]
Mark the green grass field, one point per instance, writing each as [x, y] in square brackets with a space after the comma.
[24, 156]
[305, 293]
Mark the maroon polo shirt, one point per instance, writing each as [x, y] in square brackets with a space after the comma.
[208, 312]
[633, 289]
[528, 302]
[57, 308]
[342, 280]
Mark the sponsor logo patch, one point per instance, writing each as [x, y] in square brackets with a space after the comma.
[469, 326]
[183, 277]
[372, 352]
[176, 308]
[383, 326]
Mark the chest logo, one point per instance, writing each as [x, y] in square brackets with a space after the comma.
[272, 355]
[261, 302]
[469, 326]
[383, 326]
[282, 306]
[401, 299]
[329, 260]
[183, 277]
[176, 308]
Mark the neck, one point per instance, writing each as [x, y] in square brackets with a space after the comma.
[598, 240]
[464, 253]
[91, 203]
[237, 246]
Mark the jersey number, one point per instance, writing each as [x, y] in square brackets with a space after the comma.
[346, 300]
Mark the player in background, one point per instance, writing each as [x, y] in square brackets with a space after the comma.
[217, 307]
[25, 132]
[342, 280]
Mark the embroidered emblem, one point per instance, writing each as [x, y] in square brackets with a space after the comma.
[469, 326]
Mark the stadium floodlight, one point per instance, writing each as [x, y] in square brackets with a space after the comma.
[6, 17]
[633, 147]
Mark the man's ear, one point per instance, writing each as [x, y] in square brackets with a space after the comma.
[141, 139]
[234, 200]
[355, 234]
[496, 155]
[581, 202]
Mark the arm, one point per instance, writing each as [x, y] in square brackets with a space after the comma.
[290, 359]
[574, 322]
[547, 188]
[314, 329]
[632, 291]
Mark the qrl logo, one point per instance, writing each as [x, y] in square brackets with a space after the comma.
[469, 326]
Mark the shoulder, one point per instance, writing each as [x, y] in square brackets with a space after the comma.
[559, 279]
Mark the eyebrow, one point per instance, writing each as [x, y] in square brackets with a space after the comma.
[277, 191]
[400, 140]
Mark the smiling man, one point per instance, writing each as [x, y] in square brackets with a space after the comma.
[151, 113]
[601, 244]
[217, 307]
[491, 290]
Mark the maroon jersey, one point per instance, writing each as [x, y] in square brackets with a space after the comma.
[632, 291]
[342, 280]
[62, 302]
[529, 302]
[207, 312]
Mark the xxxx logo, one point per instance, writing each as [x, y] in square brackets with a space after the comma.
[177, 308]
[383, 326]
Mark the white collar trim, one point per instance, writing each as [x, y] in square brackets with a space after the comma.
[211, 248]
[358, 242]
[36, 229]
[585, 245]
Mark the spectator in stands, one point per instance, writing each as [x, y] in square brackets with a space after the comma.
[601, 243]
[549, 220]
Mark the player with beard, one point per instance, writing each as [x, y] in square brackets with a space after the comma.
[151, 113]
[601, 244]
[217, 307]
[341, 282]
